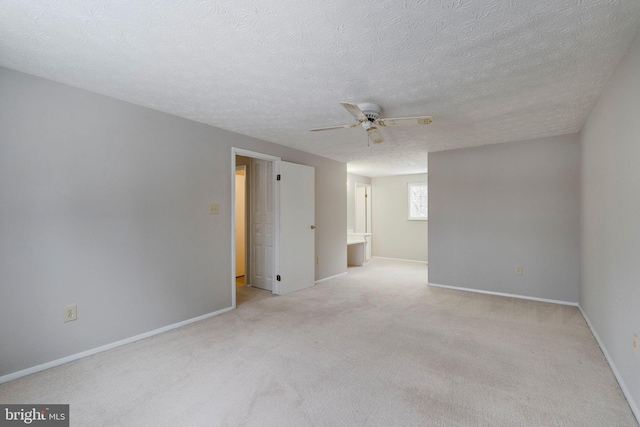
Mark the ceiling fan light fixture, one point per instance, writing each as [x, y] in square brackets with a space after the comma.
[374, 135]
[368, 115]
[371, 111]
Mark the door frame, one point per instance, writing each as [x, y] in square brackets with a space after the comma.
[276, 216]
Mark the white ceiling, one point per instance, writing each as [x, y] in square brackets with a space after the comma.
[488, 71]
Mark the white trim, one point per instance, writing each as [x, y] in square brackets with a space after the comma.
[400, 259]
[254, 154]
[71, 358]
[616, 373]
[330, 277]
[502, 294]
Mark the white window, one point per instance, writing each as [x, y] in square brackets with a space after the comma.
[418, 201]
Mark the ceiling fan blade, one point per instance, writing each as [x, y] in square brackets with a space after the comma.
[375, 136]
[337, 127]
[405, 121]
[354, 110]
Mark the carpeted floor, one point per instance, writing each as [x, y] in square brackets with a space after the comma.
[374, 348]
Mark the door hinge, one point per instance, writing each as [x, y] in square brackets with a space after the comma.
[278, 177]
[278, 277]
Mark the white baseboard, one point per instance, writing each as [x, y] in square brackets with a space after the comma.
[330, 277]
[623, 386]
[501, 294]
[71, 358]
[400, 259]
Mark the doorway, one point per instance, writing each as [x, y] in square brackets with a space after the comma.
[253, 195]
[363, 208]
[241, 226]
[363, 216]
[279, 218]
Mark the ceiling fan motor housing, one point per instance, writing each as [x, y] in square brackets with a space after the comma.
[371, 111]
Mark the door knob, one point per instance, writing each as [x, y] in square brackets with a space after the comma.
[313, 227]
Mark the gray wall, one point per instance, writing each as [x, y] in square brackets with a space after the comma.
[104, 204]
[352, 179]
[394, 236]
[610, 288]
[494, 207]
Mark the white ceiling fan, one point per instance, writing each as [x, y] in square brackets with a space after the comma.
[368, 116]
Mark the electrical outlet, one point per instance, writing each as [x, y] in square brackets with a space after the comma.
[70, 313]
[214, 209]
[318, 260]
[518, 269]
[635, 343]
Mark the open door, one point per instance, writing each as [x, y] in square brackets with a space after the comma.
[262, 225]
[297, 227]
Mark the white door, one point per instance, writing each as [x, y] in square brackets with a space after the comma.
[297, 227]
[262, 227]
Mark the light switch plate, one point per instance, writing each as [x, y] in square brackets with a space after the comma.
[214, 209]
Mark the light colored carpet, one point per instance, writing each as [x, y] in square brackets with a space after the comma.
[375, 348]
[246, 294]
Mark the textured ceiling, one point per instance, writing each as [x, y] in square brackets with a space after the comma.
[487, 71]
